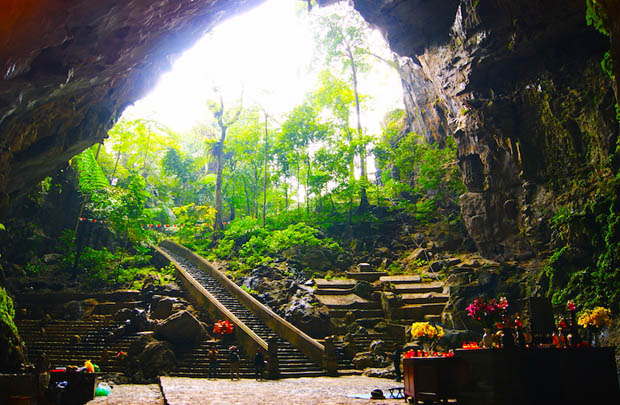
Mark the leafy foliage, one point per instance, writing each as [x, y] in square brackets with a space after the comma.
[7, 311]
[585, 266]
[419, 176]
[251, 245]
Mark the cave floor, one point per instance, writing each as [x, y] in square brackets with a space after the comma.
[318, 390]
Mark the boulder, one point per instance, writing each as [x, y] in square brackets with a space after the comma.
[74, 310]
[149, 291]
[149, 358]
[51, 258]
[363, 360]
[309, 315]
[181, 328]
[162, 309]
[350, 349]
[381, 372]
[134, 319]
[363, 289]
[418, 254]
[314, 257]
[377, 347]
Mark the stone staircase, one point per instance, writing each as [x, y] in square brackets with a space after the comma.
[292, 362]
[71, 343]
[193, 362]
[419, 300]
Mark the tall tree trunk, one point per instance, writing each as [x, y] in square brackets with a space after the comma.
[298, 183]
[248, 204]
[118, 157]
[265, 171]
[308, 182]
[364, 176]
[285, 195]
[217, 226]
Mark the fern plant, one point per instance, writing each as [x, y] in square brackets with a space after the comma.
[90, 175]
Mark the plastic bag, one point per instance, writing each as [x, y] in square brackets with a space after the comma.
[103, 390]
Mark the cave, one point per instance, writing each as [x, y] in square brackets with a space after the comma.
[66, 82]
[518, 85]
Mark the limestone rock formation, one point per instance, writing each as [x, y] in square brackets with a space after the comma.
[309, 315]
[520, 87]
[70, 68]
[181, 328]
[149, 358]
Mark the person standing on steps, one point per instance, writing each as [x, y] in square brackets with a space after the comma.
[233, 357]
[259, 364]
[212, 357]
[396, 353]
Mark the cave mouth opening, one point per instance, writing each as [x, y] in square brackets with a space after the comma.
[271, 58]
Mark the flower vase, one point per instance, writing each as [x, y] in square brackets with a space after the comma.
[487, 339]
[519, 338]
[595, 338]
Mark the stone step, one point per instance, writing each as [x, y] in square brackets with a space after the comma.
[433, 286]
[333, 291]
[418, 312]
[347, 301]
[402, 279]
[424, 298]
[334, 283]
[369, 276]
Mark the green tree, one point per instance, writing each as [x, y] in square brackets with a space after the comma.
[301, 129]
[343, 37]
[224, 119]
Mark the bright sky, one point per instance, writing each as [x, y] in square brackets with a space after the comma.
[268, 49]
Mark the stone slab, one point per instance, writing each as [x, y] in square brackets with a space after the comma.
[346, 301]
[434, 286]
[334, 283]
[369, 276]
[405, 278]
[424, 298]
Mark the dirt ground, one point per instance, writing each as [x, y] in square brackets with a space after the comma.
[291, 391]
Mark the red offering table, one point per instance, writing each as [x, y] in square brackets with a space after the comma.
[516, 376]
[434, 378]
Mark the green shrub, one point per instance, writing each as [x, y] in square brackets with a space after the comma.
[7, 311]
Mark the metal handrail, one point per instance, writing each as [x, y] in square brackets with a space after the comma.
[223, 311]
[313, 349]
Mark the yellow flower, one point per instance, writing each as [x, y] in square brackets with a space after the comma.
[597, 318]
[426, 330]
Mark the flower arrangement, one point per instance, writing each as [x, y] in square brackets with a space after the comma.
[487, 311]
[223, 327]
[424, 330]
[595, 319]
[426, 334]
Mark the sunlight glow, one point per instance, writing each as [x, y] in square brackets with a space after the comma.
[268, 51]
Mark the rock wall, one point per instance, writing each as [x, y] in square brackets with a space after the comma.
[70, 67]
[520, 87]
